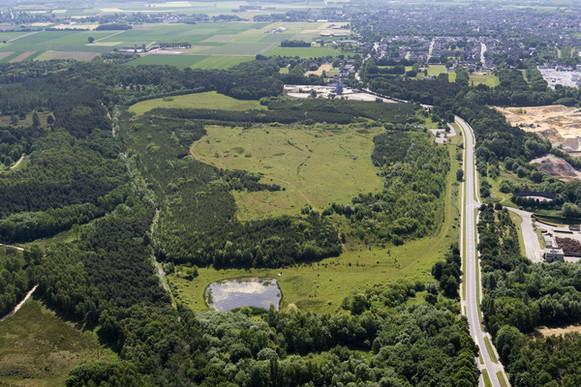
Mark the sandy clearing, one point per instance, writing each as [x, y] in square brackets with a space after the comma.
[545, 332]
[558, 123]
[5, 54]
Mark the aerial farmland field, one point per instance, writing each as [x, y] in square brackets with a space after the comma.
[213, 45]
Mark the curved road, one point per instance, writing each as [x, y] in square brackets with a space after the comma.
[472, 264]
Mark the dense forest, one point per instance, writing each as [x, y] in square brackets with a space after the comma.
[414, 173]
[519, 297]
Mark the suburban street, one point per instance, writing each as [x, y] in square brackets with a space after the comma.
[472, 266]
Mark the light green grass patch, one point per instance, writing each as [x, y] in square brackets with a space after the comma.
[490, 349]
[180, 61]
[221, 61]
[37, 348]
[208, 100]
[304, 52]
[435, 70]
[316, 165]
[486, 79]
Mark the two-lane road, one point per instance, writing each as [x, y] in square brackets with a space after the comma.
[472, 264]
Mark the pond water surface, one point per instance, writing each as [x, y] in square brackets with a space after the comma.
[227, 295]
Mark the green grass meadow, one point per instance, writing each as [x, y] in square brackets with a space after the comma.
[207, 100]
[322, 286]
[38, 348]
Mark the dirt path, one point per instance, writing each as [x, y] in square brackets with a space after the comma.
[20, 304]
[15, 165]
[157, 265]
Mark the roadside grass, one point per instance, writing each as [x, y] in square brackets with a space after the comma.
[502, 379]
[38, 348]
[207, 100]
[316, 165]
[490, 349]
[517, 220]
[322, 286]
[486, 378]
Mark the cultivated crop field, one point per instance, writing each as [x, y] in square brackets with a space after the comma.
[38, 348]
[214, 45]
[317, 165]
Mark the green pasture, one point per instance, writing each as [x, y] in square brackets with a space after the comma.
[181, 61]
[322, 286]
[38, 348]
[304, 52]
[487, 79]
[316, 165]
[208, 100]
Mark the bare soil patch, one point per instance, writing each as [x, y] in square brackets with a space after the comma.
[558, 123]
[22, 57]
[557, 167]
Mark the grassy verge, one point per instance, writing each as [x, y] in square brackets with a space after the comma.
[37, 348]
[486, 378]
[490, 349]
[501, 379]
[517, 220]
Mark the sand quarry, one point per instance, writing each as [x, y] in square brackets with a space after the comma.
[560, 124]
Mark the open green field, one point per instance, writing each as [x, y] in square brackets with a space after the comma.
[435, 70]
[304, 52]
[208, 100]
[316, 165]
[322, 286]
[38, 348]
[488, 79]
[36, 43]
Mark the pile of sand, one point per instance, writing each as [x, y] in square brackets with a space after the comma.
[557, 167]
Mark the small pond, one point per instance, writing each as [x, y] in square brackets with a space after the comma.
[224, 296]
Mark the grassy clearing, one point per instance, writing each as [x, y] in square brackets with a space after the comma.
[321, 287]
[315, 165]
[37, 348]
[208, 100]
[435, 70]
[326, 68]
[487, 79]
